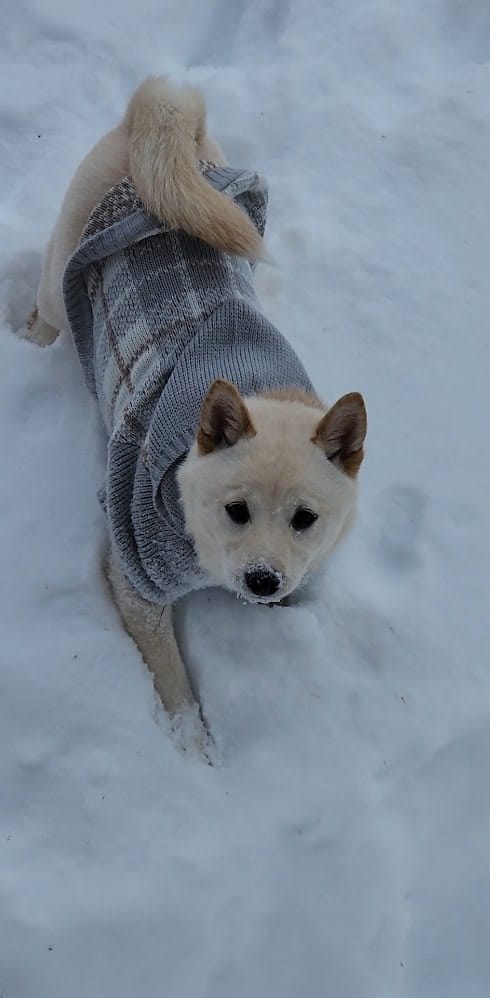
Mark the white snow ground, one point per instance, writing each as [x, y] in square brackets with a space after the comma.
[341, 845]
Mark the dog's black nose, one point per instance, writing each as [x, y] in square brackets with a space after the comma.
[262, 581]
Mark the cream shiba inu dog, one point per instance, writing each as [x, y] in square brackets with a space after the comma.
[223, 466]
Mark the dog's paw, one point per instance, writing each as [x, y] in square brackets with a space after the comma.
[37, 331]
[191, 735]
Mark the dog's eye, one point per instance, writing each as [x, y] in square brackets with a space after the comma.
[238, 512]
[303, 518]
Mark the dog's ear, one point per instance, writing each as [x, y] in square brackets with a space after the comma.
[341, 432]
[224, 418]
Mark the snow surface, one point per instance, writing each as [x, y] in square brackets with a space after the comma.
[341, 844]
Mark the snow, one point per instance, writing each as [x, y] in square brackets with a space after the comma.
[340, 843]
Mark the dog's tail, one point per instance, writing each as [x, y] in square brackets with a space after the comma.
[166, 132]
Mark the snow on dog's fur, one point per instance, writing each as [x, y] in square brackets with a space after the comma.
[269, 484]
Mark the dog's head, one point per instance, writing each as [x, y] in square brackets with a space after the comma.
[269, 486]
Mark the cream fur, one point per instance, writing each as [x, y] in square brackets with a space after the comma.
[277, 460]
[276, 470]
[166, 135]
[159, 140]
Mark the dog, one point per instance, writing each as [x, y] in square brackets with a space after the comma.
[224, 467]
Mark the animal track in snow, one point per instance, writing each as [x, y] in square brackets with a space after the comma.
[468, 21]
[19, 285]
[401, 514]
[240, 24]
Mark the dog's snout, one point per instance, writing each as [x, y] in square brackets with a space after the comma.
[262, 581]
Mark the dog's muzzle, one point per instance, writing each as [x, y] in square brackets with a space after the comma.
[262, 581]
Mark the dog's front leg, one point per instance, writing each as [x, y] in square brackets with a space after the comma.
[152, 630]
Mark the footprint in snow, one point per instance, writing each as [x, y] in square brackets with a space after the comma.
[18, 288]
[401, 513]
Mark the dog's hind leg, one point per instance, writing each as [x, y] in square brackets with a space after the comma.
[39, 331]
[102, 167]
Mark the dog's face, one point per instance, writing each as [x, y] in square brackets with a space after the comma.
[269, 486]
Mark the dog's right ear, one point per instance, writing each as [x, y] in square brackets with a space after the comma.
[224, 418]
[341, 432]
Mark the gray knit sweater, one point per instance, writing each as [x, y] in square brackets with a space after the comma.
[156, 316]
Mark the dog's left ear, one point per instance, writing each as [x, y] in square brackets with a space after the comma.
[224, 418]
[341, 432]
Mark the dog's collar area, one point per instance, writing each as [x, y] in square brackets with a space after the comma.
[246, 601]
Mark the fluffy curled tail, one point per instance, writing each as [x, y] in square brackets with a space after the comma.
[166, 137]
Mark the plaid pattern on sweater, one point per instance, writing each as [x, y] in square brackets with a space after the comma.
[156, 316]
